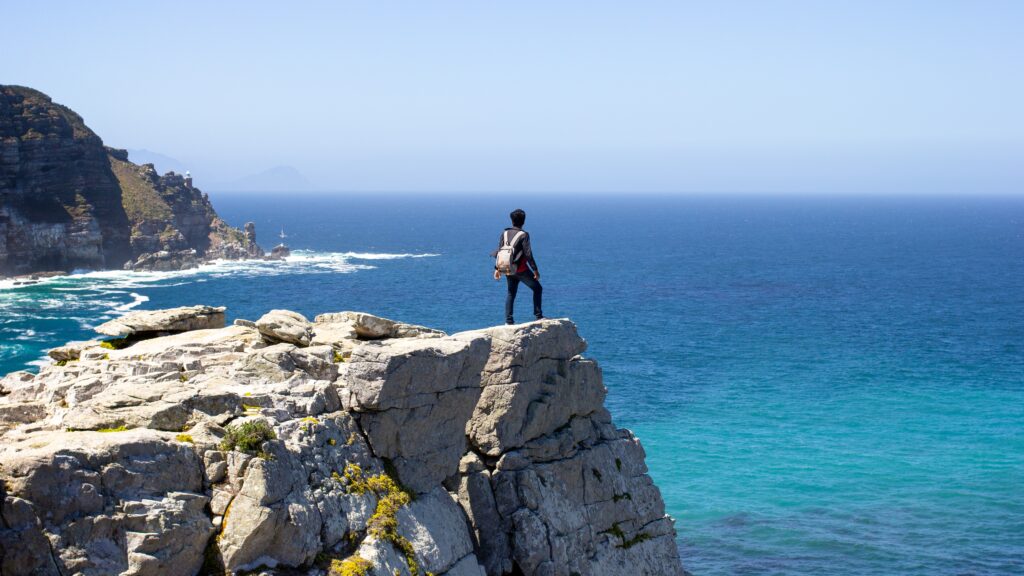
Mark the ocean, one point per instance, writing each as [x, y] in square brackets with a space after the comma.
[823, 385]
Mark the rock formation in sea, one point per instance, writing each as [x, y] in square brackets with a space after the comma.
[346, 445]
[68, 202]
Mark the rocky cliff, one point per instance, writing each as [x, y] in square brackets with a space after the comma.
[349, 445]
[67, 201]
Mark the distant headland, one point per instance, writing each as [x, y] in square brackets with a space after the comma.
[68, 202]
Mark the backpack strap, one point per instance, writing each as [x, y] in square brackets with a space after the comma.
[514, 238]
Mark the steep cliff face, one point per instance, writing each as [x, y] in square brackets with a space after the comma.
[347, 445]
[60, 203]
[68, 202]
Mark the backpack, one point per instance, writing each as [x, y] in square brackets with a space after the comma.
[505, 260]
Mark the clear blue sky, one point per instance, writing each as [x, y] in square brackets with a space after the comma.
[749, 96]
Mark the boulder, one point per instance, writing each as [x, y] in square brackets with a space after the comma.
[285, 326]
[153, 322]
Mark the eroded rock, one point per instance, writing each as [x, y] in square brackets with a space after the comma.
[484, 452]
[285, 326]
[173, 320]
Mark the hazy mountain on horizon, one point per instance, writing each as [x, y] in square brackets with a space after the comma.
[161, 162]
[276, 179]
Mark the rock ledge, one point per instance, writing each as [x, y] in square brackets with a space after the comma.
[348, 443]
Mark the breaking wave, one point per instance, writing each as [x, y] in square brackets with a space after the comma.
[38, 314]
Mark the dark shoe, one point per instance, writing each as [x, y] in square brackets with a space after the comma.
[509, 322]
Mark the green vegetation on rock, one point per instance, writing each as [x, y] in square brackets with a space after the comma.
[141, 202]
[247, 437]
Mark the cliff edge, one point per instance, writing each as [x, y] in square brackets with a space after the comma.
[67, 201]
[349, 445]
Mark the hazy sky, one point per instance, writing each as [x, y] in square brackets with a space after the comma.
[822, 96]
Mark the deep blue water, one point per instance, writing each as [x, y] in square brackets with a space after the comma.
[823, 385]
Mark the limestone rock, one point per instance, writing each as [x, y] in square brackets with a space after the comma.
[285, 326]
[180, 319]
[436, 528]
[71, 350]
[370, 327]
[415, 397]
[340, 335]
[533, 383]
[83, 490]
[263, 448]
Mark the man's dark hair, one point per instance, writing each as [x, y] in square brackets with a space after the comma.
[518, 217]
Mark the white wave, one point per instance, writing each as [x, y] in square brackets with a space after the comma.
[384, 255]
[113, 282]
[33, 336]
[138, 299]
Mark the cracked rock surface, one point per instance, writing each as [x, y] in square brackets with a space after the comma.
[350, 444]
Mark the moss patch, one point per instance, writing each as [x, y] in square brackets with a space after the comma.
[185, 438]
[626, 543]
[641, 537]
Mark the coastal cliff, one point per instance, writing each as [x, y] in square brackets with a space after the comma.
[68, 202]
[347, 445]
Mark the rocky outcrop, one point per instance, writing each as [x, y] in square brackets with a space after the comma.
[351, 444]
[68, 202]
[174, 225]
[149, 323]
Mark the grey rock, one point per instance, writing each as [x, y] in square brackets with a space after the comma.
[415, 397]
[370, 327]
[436, 528]
[70, 351]
[285, 326]
[534, 382]
[500, 433]
[172, 320]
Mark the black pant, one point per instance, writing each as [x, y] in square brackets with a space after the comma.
[513, 287]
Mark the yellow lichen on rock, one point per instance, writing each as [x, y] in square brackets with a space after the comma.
[351, 566]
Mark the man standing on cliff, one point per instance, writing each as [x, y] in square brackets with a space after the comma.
[514, 258]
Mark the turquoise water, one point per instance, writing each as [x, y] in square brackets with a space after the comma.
[823, 386]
